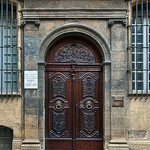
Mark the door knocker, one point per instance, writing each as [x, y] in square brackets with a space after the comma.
[58, 105]
[89, 105]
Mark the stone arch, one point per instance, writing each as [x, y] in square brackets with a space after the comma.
[76, 30]
[86, 32]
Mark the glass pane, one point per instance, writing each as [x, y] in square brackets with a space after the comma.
[133, 20]
[139, 76]
[133, 29]
[133, 85]
[139, 66]
[139, 39]
[139, 85]
[139, 57]
[139, 29]
[133, 76]
[133, 66]
[139, 21]
[139, 49]
[133, 38]
[133, 57]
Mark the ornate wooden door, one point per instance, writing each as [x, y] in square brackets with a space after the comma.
[74, 105]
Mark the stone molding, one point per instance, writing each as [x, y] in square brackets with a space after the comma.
[75, 29]
[93, 13]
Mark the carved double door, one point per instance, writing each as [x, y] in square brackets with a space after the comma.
[74, 108]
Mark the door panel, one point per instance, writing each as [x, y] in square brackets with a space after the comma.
[88, 108]
[59, 113]
[74, 111]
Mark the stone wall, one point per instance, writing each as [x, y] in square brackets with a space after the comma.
[11, 115]
[126, 122]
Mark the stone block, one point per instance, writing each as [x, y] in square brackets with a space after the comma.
[137, 134]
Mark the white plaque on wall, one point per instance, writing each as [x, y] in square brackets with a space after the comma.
[30, 79]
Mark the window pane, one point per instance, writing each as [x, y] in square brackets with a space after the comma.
[133, 20]
[139, 66]
[133, 76]
[133, 57]
[133, 29]
[133, 66]
[139, 57]
[139, 39]
[133, 85]
[139, 85]
[139, 76]
[133, 38]
[139, 29]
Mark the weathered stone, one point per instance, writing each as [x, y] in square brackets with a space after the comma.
[137, 134]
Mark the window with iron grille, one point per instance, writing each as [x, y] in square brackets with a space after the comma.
[9, 69]
[140, 46]
[6, 137]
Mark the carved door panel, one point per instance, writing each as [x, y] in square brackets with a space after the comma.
[89, 111]
[58, 111]
[74, 111]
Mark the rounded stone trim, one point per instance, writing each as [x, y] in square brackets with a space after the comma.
[75, 29]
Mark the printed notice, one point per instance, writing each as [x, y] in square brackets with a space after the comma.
[30, 79]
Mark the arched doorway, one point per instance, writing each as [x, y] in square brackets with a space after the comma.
[74, 96]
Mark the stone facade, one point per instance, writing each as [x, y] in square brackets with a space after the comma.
[126, 120]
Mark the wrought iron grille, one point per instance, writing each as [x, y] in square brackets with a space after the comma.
[139, 47]
[9, 55]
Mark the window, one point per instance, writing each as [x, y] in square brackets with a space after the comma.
[6, 137]
[9, 69]
[140, 46]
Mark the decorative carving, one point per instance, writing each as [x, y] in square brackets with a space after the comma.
[94, 135]
[51, 74]
[88, 87]
[112, 21]
[36, 22]
[89, 122]
[95, 74]
[59, 86]
[58, 122]
[74, 53]
[52, 134]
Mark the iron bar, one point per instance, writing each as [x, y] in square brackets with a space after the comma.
[12, 47]
[2, 49]
[142, 46]
[147, 46]
[17, 73]
[136, 50]
[7, 48]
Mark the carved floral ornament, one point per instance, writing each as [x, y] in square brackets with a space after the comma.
[73, 53]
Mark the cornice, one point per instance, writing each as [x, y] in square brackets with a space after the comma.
[42, 13]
